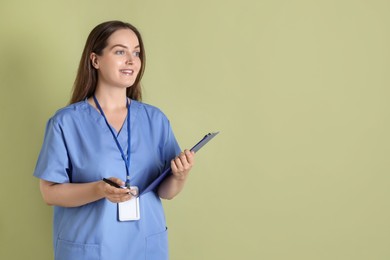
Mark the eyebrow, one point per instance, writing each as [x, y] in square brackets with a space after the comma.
[123, 46]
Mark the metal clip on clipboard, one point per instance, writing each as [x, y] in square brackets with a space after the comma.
[168, 171]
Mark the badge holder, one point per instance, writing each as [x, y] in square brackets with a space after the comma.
[129, 210]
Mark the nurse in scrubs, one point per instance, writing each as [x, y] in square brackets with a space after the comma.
[107, 132]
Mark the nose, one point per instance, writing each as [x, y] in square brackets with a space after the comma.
[129, 60]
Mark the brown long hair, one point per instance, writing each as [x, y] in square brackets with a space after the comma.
[86, 80]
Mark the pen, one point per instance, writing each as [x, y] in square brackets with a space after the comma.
[116, 185]
[113, 183]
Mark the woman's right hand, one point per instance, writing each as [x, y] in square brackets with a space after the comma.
[79, 194]
[114, 194]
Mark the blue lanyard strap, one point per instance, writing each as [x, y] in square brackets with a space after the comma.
[126, 160]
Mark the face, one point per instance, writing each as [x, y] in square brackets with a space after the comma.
[119, 63]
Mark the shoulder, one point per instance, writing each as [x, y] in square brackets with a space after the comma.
[149, 110]
[70, 113]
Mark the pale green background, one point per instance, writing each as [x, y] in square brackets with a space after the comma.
[299, 90]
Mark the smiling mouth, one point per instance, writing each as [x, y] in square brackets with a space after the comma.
[127, 72]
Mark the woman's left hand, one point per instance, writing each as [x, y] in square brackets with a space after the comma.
[182, 165]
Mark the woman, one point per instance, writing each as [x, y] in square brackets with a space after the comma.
[106, 132]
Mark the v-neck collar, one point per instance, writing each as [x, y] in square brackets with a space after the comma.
[99, 119]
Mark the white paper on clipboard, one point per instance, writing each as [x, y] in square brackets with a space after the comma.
[167, 172]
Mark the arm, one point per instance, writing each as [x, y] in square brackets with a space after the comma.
[79, 194]
[173, 184]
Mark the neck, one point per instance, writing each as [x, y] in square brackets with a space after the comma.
[111, 100]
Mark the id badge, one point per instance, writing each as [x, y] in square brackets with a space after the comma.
[129, 210]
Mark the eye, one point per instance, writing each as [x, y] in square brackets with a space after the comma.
[120, 52]
[137, 53]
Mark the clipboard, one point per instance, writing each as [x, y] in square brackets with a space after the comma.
[168, 171]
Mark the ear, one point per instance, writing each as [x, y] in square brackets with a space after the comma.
[94, 60]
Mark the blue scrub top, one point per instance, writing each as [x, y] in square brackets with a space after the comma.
[78, 147]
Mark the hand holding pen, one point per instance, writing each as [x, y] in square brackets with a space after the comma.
[116, 192]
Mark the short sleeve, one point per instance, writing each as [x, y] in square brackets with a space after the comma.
[53, 162]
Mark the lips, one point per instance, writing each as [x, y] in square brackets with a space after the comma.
[127, 72]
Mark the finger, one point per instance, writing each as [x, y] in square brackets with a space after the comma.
[183, 157]
[125, 198]
[179, 163]
[120, 198]
[185, 165]
[121, 191]
[190, 156]
[186, 159]
[112, 191]
[173, 166]
[117, 181]
[177, 169]
[109, 189]
[133, 192]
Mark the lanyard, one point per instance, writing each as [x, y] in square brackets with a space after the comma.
[126, 160]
